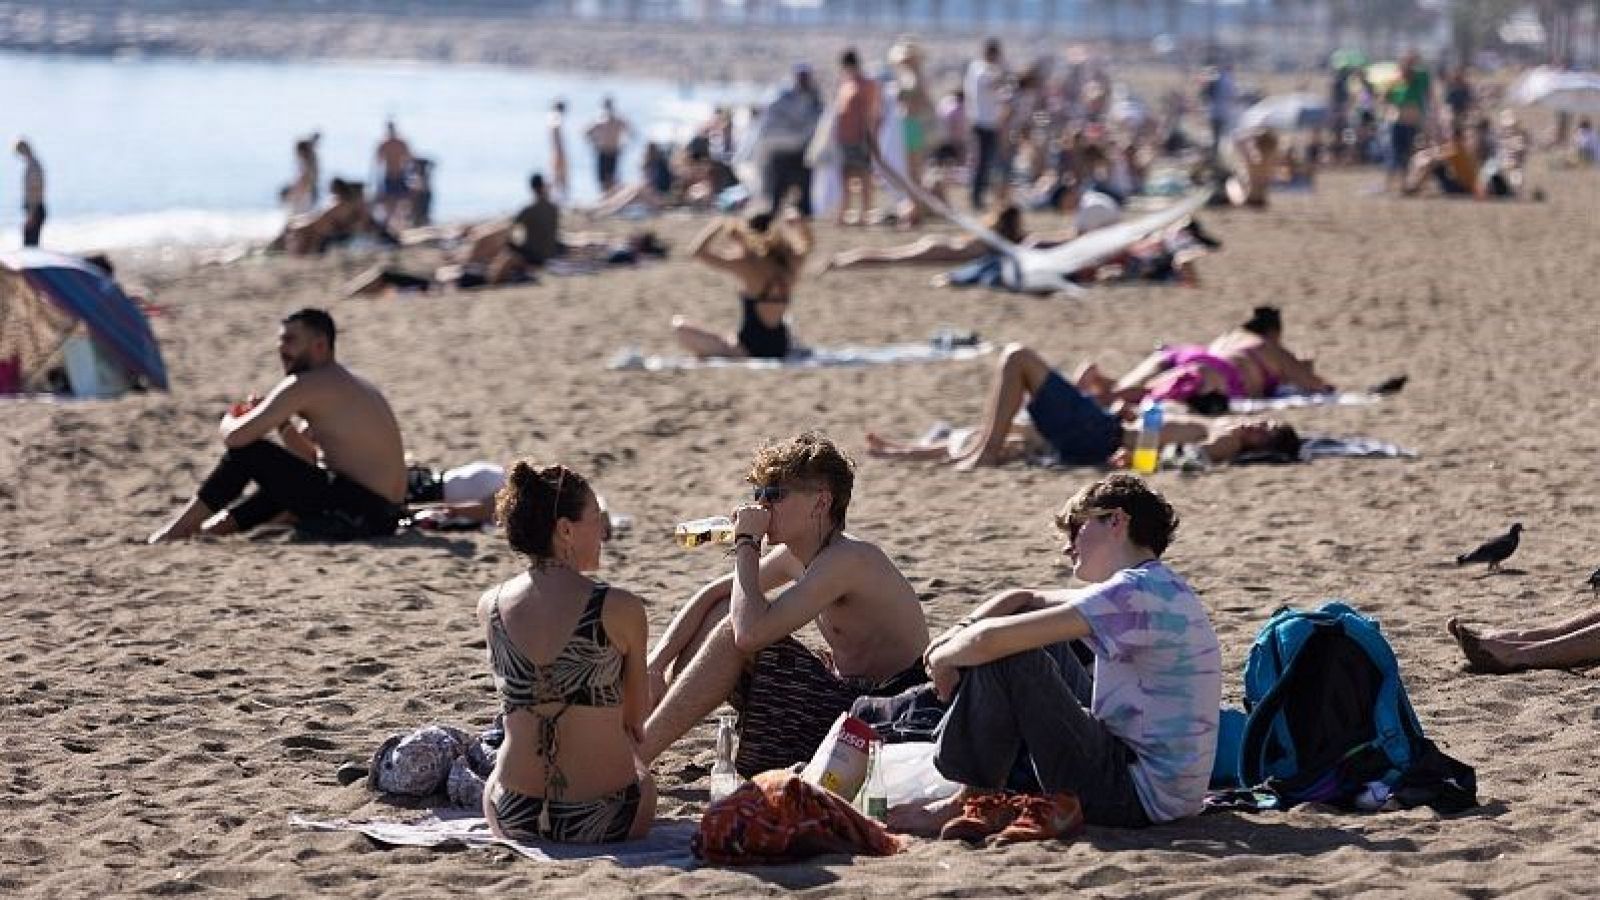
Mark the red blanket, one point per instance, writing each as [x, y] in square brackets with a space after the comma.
[778, 818]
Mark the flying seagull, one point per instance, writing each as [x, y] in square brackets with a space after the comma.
[1494, 552]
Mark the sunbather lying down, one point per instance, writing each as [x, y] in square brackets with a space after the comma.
[1168, 255]
[1248, 361]
[956, 248]
[1572, 644]
[1062, 419]
[496, 268]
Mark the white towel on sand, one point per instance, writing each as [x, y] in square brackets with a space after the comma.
[667, 844]
[814, 358]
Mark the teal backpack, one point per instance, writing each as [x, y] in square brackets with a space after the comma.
[1327, 717]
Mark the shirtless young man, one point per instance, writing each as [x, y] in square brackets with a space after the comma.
[340, 471]
[394, 158]
[857, 110]
[1066, 420]
[607, 135]
[734, 640]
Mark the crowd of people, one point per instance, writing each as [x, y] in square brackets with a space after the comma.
[1102, 698]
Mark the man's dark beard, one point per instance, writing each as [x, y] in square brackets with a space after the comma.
[296, 365]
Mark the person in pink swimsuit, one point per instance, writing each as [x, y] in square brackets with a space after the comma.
[1249, 361]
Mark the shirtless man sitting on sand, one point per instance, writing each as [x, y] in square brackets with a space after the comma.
[340, 468]
[734, 640]
[1063, 419]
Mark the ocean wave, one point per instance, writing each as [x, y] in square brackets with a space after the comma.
[173, 227]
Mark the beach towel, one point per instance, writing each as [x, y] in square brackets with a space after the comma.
[778, 817]
[812, 358]
[667, 844]
[1324, 446]
[1298, 401]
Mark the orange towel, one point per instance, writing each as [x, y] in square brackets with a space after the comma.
[777, 817]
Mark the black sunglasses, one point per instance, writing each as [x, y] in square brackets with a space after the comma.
[769, 493]
[1074, 523]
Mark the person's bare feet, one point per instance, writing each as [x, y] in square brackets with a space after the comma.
[164, 536]
[883, 448]
[1479, 650]
[925, 819]
[186, 524]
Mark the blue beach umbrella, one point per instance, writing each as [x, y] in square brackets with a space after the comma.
[50, 293]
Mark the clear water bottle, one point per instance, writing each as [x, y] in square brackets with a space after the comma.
[724, 779]
[1147, 451]
[875, 792]
[713, 530]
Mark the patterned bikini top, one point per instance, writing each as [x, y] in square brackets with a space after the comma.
[588, 672]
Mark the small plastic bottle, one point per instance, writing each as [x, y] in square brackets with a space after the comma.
[875, 792]
[724, 778]
[1147, 451]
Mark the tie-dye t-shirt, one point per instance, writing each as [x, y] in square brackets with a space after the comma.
[1157, 682]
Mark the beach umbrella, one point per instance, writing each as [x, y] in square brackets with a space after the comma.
[1287, 112]
[43, 298]
[1346, 59]
[1570, 92]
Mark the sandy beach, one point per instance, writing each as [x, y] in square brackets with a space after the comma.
[166, 710]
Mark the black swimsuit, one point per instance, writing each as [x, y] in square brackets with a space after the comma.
[759, 339]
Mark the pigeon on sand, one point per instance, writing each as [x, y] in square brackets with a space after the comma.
[1494, 552]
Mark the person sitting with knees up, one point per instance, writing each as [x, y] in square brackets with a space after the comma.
[735, 641]
[338, 470]
[1040, 743]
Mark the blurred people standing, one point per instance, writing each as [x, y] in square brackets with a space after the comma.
[302, 194]
[917, 114]
[982, 89]
[394, 164]
[32, 195]
[951, 148]
[1220, 94]
[606, 135]
[1458, 96]
[558, 151]
[1408, 111]
[790, 122]
[856, 112]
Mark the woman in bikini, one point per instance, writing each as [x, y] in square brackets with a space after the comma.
[766, 258]
[1249, 361]
[568, 657]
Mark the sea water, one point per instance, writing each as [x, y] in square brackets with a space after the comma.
[148, 151]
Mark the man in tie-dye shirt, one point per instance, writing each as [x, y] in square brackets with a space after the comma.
[1029, 728]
